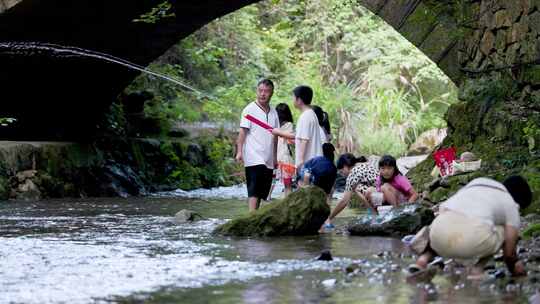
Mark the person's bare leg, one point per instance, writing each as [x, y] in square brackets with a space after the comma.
[476, 272]
[253, 203]
[288, 190]
[424, 259]
[367, 203]
[269, 198]
[390, 194]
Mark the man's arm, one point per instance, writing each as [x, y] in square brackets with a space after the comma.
[302, 146]
[240, 144]
[281, 133]
[274, 147]
[511, 235]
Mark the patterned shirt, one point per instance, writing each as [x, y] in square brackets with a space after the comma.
[362, 177]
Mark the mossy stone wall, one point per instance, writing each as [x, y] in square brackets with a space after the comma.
[498, 117]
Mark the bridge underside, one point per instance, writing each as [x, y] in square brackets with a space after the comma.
[54, 97]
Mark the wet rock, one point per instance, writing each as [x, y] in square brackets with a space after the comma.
[301, 213]
[398, 222]
[326, 255]
[4, 188]
[353, 268]
[341, 181]
[194, 154]
[121, 180]
[329, 283]
[24, 175]
[186, 216]
[28, 191]
[532, 218]
[427, 141]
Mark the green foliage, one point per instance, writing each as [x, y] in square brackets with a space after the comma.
[114, 123]
[379, 90]
[221, 168]
[217, 168]
[6, 121]
[532, 135]
[532, 231]
[161, 11]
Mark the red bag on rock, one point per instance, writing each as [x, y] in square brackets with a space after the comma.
[443, 160]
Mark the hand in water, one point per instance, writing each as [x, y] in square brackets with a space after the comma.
[519, 269]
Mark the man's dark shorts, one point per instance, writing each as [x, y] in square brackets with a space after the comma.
[259, 181]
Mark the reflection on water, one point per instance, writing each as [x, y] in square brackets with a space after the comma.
[131, 251]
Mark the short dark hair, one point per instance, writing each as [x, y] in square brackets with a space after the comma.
[304, 92]
[519, 189]
[349, 160]
[328, 151]
[284, 113]
[267, 82]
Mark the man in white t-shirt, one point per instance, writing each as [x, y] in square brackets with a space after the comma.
[478, 221]
[308, 137]
[256, 146]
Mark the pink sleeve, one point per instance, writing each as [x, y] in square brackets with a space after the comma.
[403, 183]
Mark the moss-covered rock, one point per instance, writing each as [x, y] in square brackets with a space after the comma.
[4, 188]
[301, 213]
[404, 220]
[532, 231]
[501, 133]
[531, 173]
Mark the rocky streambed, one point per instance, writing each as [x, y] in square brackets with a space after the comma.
[132, 251]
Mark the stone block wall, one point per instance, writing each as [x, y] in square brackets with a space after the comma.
[6, 4]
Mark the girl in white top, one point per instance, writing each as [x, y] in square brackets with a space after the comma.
[284, 150]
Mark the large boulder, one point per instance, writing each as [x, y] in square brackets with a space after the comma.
[427, 141]
[301, 213]
[401, 221]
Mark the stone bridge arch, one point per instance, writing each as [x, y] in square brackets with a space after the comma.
[49, 94]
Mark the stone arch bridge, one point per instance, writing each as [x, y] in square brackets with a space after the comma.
[61, 98]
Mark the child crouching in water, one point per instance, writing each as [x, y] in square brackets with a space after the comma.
[392, 187]
[321, 171]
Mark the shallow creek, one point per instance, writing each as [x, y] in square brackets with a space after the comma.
[132, 251]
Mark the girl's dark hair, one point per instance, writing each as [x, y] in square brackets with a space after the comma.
[390, 161]
[518, 187]
[349, 160]
[328, 151]
[319, 113]
[326, 123]
[284, 113]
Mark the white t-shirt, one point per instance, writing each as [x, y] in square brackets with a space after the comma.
[308, 129]
[258, 147]
[324, 137]
[485, 199]
[283, 148]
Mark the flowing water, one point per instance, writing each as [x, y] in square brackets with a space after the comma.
[132, 251]
[53, 50]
